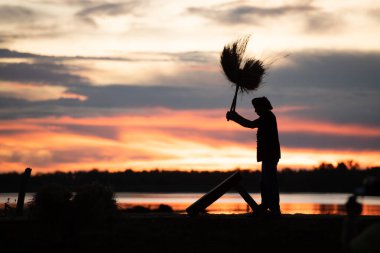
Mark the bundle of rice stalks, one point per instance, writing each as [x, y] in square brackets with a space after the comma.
[245, 74]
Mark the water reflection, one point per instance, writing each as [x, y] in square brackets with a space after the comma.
[240, 208]
[233, 204]
[305, 203]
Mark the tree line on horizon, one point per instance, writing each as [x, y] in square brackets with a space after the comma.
[344, 177]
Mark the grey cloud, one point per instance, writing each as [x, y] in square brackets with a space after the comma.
[16, 14]
[12, 102]
[109, 9]
[8, 132]
[195, 56]
[79, 154]
[40, 73]
[324, 22]
[26, 23]
[107, 132]
[29, 31]
[29, 158]
[6, 53]
[195, 78]
[14, 108]
[113, 99]
[106, 9]
[340, 107]
[341, 87]
[374, 13]
[315, 20]
[151, 96]
[191, 56]
[330, 69]
[237, 14]
[6, 37]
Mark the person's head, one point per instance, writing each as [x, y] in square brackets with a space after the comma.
[261, 104]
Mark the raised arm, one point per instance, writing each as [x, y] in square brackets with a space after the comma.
[234, 116]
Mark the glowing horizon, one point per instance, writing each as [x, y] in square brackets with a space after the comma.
[118, 85]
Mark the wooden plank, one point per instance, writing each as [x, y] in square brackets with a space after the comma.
[210, 197]
[245, 195]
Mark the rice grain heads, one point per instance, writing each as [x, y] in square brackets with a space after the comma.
[245, 73]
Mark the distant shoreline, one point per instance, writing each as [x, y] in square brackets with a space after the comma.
[320, 180]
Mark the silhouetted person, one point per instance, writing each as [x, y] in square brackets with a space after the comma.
[268, 150]
[350, 223]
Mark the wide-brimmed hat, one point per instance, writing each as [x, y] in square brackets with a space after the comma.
[262, 103]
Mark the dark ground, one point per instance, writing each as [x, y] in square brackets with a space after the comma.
[180, 233]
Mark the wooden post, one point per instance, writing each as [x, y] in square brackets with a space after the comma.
[21, 192]
[210, 197]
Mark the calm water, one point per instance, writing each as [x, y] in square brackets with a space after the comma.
[306, 203]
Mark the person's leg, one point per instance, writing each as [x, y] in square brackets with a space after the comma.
[264, 186]
[270, 190]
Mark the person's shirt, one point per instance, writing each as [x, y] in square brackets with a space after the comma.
[268, 144]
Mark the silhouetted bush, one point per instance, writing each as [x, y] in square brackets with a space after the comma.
[91, 204]
[94, 203]
[51, 203]
[137, 209]
[162, 208]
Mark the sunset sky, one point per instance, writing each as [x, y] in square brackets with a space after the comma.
[137, 84]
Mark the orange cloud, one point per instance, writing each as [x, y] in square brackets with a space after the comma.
[164, 139]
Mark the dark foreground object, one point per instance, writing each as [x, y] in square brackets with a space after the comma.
[232, 181]
[180, 233]
[21, 192]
